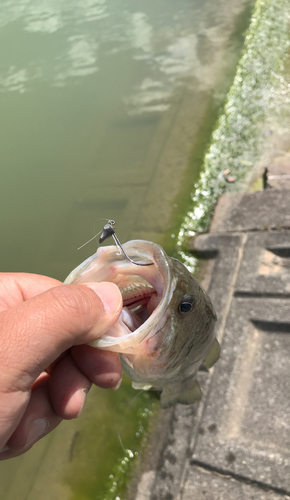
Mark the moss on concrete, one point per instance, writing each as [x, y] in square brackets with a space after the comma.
[239, 139]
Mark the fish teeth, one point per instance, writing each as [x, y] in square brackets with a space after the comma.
[141, 286]
[135, 288]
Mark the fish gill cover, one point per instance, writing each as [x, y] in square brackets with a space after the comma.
[239, 139]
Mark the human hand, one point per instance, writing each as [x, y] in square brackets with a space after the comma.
[46, 369]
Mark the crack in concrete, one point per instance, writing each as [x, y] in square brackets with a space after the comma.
[240, 478]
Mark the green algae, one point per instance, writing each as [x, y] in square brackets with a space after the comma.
[213, 102]
[239, 139]
[89, 473]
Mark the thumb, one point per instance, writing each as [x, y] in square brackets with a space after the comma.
[39, 330]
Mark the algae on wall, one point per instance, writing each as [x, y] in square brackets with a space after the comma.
[241, 135]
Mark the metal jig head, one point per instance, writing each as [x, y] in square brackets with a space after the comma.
[108, 230]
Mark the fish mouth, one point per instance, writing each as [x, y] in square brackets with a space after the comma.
[146, 291]
[139, 298]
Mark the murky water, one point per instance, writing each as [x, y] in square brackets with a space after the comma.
[105, 110]
[85, 85]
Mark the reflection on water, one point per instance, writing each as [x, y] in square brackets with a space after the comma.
[100, 103]
[85, 87]
[87, 33]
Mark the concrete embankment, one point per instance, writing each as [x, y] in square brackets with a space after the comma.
[254, 126]
[235, 443]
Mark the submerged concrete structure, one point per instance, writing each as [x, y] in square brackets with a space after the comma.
[235, 444]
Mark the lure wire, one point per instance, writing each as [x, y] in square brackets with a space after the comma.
[89, 240]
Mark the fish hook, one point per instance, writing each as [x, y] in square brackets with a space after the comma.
[108, 230]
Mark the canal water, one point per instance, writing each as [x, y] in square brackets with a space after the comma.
[106, 109]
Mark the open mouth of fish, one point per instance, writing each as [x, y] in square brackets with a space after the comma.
[146, 291]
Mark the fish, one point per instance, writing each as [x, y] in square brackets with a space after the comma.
[166, 330]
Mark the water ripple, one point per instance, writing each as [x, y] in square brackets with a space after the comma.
[80, 38]
[80, 60]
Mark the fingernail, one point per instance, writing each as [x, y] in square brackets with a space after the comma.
[109, 294]
[37, 429]
[87, 388]
[117, 385]
[5, 448]
[83, 394]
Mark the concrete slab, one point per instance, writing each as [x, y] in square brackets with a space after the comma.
[236, 443]
[245, 428]
[224, 268]
[245, 425]
[279, 171]
[205, 485]
[162, 477]
[258, 211]
[265, 267]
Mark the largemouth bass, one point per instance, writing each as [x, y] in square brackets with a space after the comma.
[166, 330]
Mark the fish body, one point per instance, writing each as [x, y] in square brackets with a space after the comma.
[166, 330]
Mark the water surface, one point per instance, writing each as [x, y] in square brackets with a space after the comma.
[84, 88]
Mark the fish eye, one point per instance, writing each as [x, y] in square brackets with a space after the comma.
[187, 304]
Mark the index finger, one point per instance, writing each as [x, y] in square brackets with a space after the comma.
[15, 288]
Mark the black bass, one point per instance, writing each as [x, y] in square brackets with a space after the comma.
[166, 330]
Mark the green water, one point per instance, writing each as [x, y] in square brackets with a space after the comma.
[106, 110]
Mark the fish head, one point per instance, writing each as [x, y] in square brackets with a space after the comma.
[192, 318]
[167, 321]
[176, 346]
